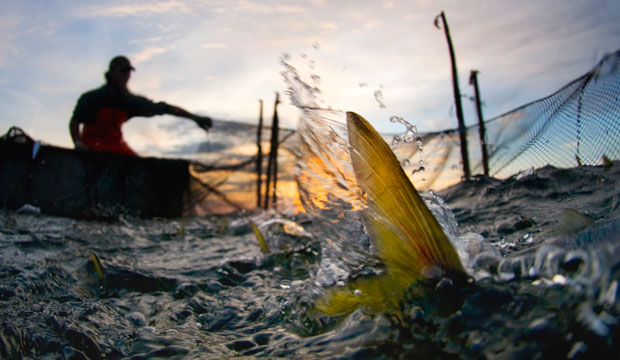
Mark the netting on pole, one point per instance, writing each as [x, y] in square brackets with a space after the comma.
[224, 173]
[577, 125]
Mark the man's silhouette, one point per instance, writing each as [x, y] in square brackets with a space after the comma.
[103, 111]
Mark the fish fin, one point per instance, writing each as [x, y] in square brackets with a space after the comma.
[407, 237]
[261, 239]
[223, 226]
[403, 228]
[571, 221]
[181, 230]
[98, 265]
[375, 294]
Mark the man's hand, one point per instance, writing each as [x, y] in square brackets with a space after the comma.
[204, 122]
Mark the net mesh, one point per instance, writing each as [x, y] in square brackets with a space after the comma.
[577, 125]
[224, 171]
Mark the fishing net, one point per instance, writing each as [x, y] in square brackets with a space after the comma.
[220, 178]
[225, 171]
[577, 125]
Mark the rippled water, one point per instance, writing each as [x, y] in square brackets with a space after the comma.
[544, 285]
[201, 288]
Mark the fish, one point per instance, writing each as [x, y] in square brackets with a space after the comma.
[261, 239]
[571, 222]
[223, 226]
[98, 266]
[575, 230]
[407, 237]
[578, 231]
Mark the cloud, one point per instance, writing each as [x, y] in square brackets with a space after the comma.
[288, 9]
[7, 47]
[214, 46]
[328, 25]
[160, 7]
[253, 7]
[147, 54]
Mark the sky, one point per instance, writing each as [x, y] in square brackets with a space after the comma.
[218, 58]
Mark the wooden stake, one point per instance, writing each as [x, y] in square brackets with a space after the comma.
[457, 97]
[259, 156]
[272, 166]
[473, 80]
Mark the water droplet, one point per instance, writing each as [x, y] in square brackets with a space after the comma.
[285, 284]
[559, 279]
[379, 98]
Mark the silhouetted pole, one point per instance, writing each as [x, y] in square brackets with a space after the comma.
[473, 80]
[272, 166]
[457, 97]
[275, 140]
[259, 156]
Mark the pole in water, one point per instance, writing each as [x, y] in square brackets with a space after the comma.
[473, 80]
[457, 97]
[276, 144]
[259, 156]
[272, 166]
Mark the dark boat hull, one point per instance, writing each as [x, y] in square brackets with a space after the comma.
[91, 185]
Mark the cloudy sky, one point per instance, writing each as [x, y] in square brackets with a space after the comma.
[218, 57]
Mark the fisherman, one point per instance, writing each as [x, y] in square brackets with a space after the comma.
[102, 112]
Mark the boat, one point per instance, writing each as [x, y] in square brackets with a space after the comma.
[84, 184]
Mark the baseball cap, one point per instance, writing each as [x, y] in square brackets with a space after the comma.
[120, 62]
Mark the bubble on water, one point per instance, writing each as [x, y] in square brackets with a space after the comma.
[609, 296]
[547, 260]
[527, 238]
[559, 279]
[285, 284]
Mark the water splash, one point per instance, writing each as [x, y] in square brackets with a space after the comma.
[327, 185]
[329, 192]
[379, 98]
[408, 137]
[301, 93]
[325, 178]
